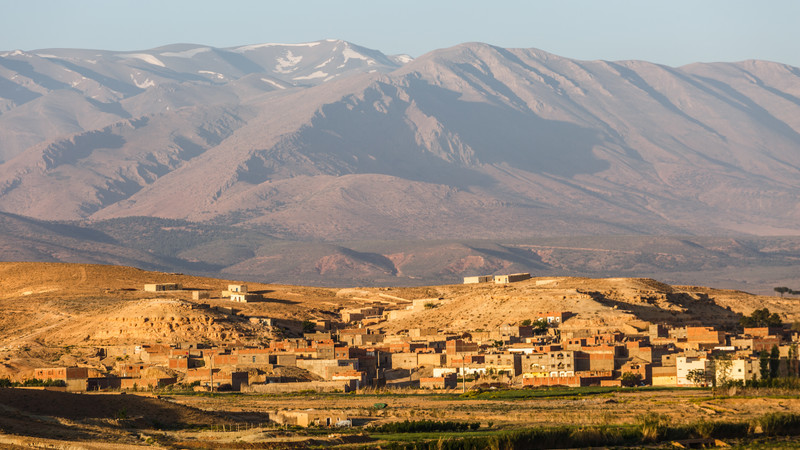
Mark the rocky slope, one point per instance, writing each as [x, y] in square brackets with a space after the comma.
[470, 141]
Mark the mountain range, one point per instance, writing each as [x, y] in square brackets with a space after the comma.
[332, 142]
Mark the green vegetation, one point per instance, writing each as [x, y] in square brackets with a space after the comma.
[424, 426]
[309, 326]
[522, 394]
[31, 382]
[649, 429]
[780, 424]
[761, 318]
[782, 290]
[630, 379]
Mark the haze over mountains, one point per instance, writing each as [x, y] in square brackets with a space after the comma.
[334, 142]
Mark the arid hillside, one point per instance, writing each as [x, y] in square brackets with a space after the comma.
[58, 312]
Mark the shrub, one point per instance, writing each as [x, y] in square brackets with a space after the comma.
[424, 426]
[773, 424]
[653, 426]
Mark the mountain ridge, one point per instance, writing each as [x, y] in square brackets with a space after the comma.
[332, 142]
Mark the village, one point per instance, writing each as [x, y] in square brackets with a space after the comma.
[354, 354]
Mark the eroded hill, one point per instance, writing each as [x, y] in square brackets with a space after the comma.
[58, 313]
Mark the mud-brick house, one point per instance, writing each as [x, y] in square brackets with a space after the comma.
[553, 318]
[245, 297]
[478, 279]
[146, 383]
[155, 354]
[704, 337]
[74, 378]
[323, 418]
[360, 337]
[131, 370]
[557, 364]
[459, 346]
[405, 361]
[664, 376]
[446, 381]
[159, 287]
[638, 366]
[511, 278]
[509, 363]
[358, 376]
[593, 378]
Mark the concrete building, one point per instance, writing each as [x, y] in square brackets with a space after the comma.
[686, 364]
[478, 279]
[158, 287]
[199, 295]
[245, 297]
[664, 376]
[743, 370]
[555, 364]
[511, 278]
[446, 381]
[323, 418]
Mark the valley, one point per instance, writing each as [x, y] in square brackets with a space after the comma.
[99, 319]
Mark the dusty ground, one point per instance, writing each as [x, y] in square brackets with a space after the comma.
[59, 313]
[58, 420]
[611, 408]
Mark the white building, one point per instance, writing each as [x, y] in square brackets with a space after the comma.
[686, 364]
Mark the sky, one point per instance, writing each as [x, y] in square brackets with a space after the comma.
[674, 32]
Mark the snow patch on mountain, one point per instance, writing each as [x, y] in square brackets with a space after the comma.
[317, 74]
[248, 48]
[349, 54]
[402, 59]
[327, 61]
[147, 83]
[219, 76]
[149, 59]
[186, 53]
[289, 63]
[277, 85]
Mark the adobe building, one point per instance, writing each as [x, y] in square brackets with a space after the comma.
[199, 295]
[478, 279]
[511, 278]
[159, 287]
[446, 381]
[323, 418]
[244, 297]
[74, 378]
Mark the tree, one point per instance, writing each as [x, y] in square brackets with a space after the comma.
[792, 360]
[761, 318]
[774, 361]
[526, 323]
[696, 377]
[630, 379]
[782, 290]
[763, 363]
[723, 366]
[309, 326]
[540, 326]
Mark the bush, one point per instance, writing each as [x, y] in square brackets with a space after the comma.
[424, 426]
[774, 424]
[707, 429]
[653, 426]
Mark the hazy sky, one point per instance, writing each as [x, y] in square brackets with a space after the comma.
[672, 32]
